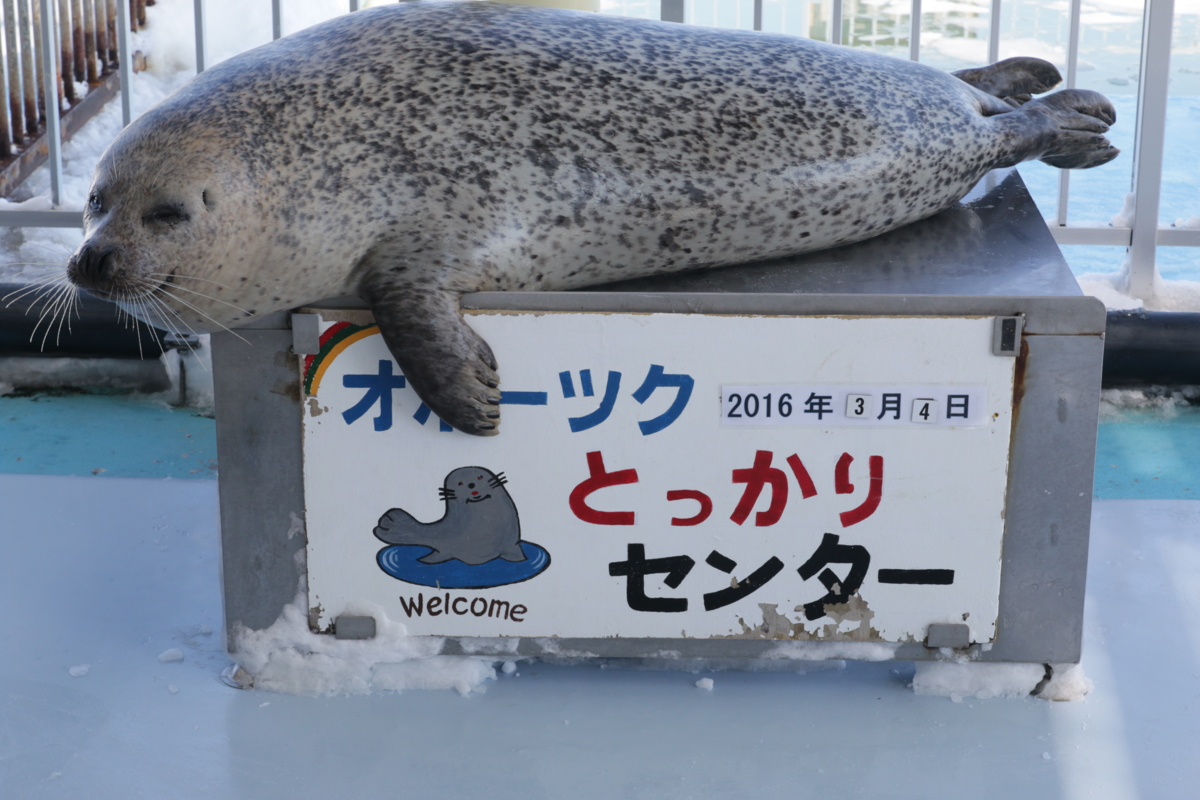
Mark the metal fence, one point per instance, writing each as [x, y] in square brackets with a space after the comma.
[1142, 237]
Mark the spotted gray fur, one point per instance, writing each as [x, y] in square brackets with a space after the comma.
[413, 152]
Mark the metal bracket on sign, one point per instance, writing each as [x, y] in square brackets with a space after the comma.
[306, 334]
[1006, 336]
[953, 635]
[347, 627]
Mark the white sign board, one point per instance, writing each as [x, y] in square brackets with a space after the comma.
[640, 488]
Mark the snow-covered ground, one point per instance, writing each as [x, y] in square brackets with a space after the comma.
[112, 648]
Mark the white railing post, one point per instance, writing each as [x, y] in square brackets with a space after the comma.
[1064, 176]
[671, 10]
[835, 36]
[277, 19]
[49, 9]
[914, 31]
[124, 62]
[1148, 145]
[758, 9]
[200, 46]
[994, 33]
[354, 6]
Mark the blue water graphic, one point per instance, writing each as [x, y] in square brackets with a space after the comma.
[402, 563]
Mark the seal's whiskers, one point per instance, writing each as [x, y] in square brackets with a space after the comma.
[58, 303]
[167, 321]
[225, 328]
[42, 286]
[210, 297]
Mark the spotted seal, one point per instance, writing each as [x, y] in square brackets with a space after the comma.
[480, 523]
[414, 152]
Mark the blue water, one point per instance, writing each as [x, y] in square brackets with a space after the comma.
[1145, 454]
[104, 434]
[1149, 455]
[402, 563]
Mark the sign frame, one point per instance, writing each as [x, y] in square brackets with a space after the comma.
[1047, 505]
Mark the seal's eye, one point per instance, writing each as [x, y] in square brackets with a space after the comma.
[94, 203]
[167, 214]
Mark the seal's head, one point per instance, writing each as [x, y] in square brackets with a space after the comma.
[168, 224]
[467, 486]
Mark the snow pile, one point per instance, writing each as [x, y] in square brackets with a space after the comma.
[1166, 402]
[1112, 289]
[287, 657]
[705, 683]
[817, 651]
[983, 680]
[1067, 682]
[1124, 217]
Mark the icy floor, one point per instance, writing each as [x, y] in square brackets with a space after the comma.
[109, 573]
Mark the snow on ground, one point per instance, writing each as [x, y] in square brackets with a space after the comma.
[104, 575]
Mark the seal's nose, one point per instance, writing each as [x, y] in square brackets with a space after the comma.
[91, 267]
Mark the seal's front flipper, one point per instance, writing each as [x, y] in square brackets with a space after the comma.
[435, 557]
[1013, 80]
[451, 369]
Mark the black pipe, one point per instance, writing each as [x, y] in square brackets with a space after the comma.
[1141, 348]
[1151, 347]
[94, 332]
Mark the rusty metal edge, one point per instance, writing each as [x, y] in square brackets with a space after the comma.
[19, 168]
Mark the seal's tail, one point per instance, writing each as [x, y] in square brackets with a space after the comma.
[1079, 119]
[1013, 80]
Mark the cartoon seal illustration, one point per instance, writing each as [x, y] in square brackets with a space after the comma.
[410, 153]
[480, 523]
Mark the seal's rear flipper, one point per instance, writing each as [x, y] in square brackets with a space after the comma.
[513, 552]
[1013, 80]
[1065, 129]
[1081, 118]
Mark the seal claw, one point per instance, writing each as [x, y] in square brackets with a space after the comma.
[445, 362]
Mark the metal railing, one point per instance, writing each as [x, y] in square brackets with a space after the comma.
[1142, 237]
[53, 49]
